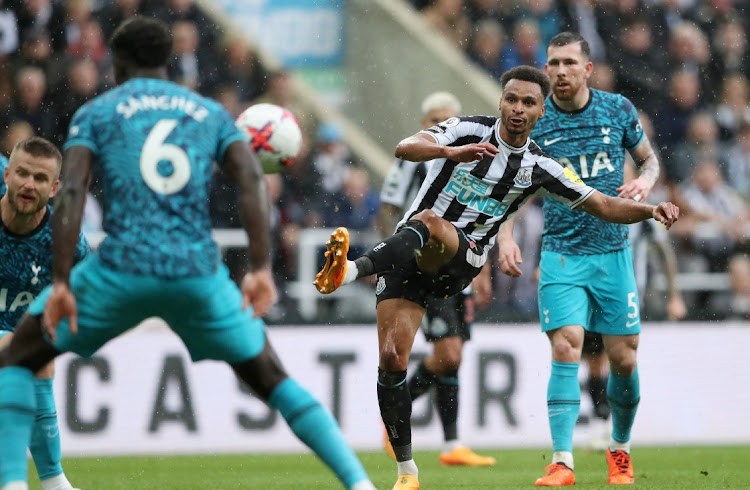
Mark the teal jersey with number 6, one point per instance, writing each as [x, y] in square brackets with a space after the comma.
[156, 143]
[591, 142]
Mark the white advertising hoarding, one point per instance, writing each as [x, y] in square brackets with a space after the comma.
[141, 394]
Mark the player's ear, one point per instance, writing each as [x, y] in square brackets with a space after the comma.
[55, 187]
[589, 68]
[544, 107]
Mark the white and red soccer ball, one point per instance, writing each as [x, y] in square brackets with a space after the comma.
[273, 134]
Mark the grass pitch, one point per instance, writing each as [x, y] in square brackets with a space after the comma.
[659, 468]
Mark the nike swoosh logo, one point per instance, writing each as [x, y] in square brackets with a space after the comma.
[552, 141]
[630, 324]
[555, 412]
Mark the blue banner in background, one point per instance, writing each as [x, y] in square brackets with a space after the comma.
[300, 33]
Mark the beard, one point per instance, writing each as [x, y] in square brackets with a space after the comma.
[25, 208]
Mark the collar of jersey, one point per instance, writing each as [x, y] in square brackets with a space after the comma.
[512, 149]
[32, 232]
[577, 111]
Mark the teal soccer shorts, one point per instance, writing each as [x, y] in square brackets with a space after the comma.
[206, 312]
[597, 292]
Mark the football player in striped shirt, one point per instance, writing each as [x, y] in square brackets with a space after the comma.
[447, 322]
[485, 169]
[587, 279]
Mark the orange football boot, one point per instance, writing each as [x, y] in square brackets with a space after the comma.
[332, 275]
[620, 468]
[406, 482]
[557, 475]
[463, 456]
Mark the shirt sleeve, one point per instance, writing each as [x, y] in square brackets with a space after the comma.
[562, 184]
[458, 131]
[81, 130]
[228, 134]
[632, 123]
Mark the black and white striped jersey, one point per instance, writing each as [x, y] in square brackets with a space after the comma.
[403, 182]
[478, 197]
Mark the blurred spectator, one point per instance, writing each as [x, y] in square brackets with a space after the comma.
[665, 15]
[730, 50]
[30, 104]
[171, 11]
[114, 12]
[228, 96]
[78, 13]
[738, 161]
[17, 131]
[547, 17]
[580, 16]
[356, 204]
[189, 66]
[243, 69]
[689, 50]
[603, 78]
[91, 45]
[717, 218]
[733, 108]
[500, 11]
[701, 141]
[487, 47]
[526, 46]
[43, 15]
[36, 50]
[616, 17]
[82, 85]
[640, 76]
[8, 31]
[683, 99]
[331, 159]
[280, 92]
[447, 17]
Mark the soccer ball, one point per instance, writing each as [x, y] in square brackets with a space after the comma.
[273, 134]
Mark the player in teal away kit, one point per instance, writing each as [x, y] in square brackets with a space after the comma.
[28, 182]
[587, 279]
[156, 143]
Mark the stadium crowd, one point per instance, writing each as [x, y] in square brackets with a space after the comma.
[686, 63]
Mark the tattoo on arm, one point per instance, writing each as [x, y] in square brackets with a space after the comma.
[647, 162]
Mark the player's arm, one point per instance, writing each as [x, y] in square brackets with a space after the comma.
[508, 251]
[421, 147]
[68, 214]
[648, 164]
[627, 211]
[243, 167]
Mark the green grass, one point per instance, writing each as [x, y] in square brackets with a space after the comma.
[663, 468]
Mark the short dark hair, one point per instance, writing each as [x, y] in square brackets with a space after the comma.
[143, 41]
[570, 37]
[39, 147]
[527, 73]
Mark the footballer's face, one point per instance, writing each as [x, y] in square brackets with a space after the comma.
[568, 70]
[521, 107]
[32, 182]
[436, 116]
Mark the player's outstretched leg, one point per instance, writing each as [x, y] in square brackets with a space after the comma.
[45, 439]
[624, 395]
[308, 419]
[396, 249]
[563, 405]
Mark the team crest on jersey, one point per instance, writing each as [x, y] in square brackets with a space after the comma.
[523, 177]
[380, 286]
[35, 269]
